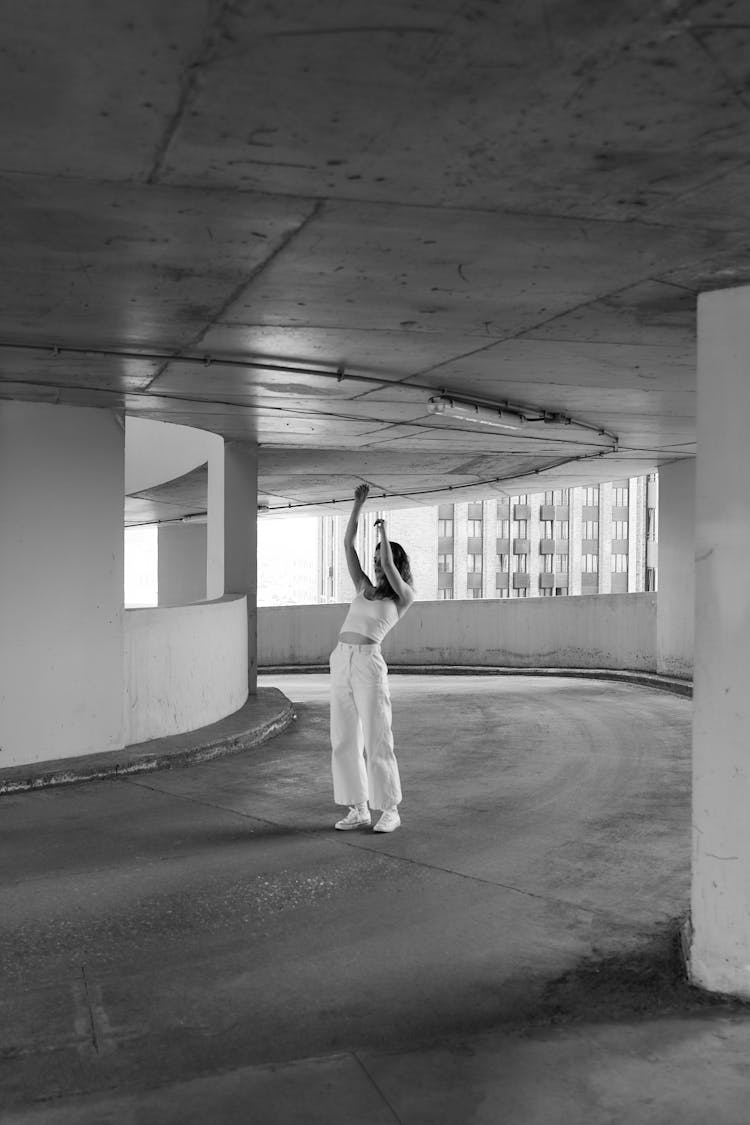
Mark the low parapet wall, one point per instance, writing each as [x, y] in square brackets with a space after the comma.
[616, 631]
[185, 667]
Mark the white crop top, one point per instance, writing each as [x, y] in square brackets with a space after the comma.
[372, 619]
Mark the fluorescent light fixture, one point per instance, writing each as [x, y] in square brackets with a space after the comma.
[500, 417]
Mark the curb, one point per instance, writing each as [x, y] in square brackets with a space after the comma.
[263, 715]
[644, 679]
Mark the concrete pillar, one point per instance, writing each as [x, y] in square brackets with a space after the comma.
[489, 548]
[182, 563]
[533, 532]
[61, 581]
[575, 522]
[719, 957]
[675, 609]
[605, 538]
[636, 534]
[460, 549]
[231, 545]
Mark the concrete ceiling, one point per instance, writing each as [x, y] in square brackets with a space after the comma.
[292, 223]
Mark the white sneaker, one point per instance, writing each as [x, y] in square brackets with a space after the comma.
[353, 819]
[389, 821]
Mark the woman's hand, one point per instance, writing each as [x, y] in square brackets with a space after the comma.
[361, 492]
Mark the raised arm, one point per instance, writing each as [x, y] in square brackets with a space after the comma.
[357, 574]
[402, 589]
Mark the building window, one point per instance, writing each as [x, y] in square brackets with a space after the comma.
[590, 529]
[547, 529]
[561, 529]
[561, 564]
[445, 564]
[503, 529]
[549, 498]
[521, 592]
[520, 563]
[520, 529]
[475, 592]
[560, 591]
[651, 523]
[620, 529]
[474, 564]
[561, 495]
[547, 563]
[650, 578]
[519, 499]
[589, 564]
[474, 529]
[619, 564]
[591, 496]
[445, 529]
[545, 591]
[620, 497]
[502, 562]
[445, 595]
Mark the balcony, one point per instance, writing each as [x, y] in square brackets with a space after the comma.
[502, 546]
[522, 512]
[521, 547]
[546, 546]
[521, 581]
[547, 512]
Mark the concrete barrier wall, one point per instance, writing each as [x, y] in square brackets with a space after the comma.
[185, 666]
[615, 631]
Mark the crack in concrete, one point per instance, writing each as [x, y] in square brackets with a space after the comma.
[387, 29]
[188, 87]
[238, 290]
[375, 1085]
[87, 999]
[698, 39]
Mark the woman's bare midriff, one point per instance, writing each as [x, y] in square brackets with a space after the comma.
[355, 639]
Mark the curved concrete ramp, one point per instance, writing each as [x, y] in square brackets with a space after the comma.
[168, 936]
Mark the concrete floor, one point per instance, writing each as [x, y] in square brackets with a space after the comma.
[198, 944]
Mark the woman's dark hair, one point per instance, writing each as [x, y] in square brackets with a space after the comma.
[403, 566]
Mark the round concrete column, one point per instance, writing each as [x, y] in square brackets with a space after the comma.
[61, 581]
[232, 566]
[720, 943]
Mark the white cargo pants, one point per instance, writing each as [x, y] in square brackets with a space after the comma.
[363, 763]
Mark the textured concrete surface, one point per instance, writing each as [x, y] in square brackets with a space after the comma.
[374, 202]
[199, 944]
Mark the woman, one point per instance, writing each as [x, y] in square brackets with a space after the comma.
[363, 762]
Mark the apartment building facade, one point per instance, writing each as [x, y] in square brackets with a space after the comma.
[562, 542]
